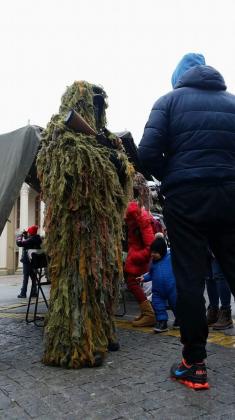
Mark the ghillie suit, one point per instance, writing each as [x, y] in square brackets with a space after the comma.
[85, 200]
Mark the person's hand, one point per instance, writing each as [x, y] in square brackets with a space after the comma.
[140, 279]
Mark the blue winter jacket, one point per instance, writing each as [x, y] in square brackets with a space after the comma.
[161, 274]
[189, 138]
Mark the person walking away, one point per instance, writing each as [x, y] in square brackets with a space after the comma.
[28, 240]
[218, 290]
[189, 145]
[163, 284]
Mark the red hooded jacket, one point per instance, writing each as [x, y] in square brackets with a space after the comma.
[140, 236]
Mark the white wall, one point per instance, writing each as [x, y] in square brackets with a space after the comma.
[7, 239]
[31, 210]
[3, 251]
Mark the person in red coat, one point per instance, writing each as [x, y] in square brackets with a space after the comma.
[28, 240]
[140, 236]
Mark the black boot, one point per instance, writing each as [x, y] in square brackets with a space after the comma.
[98, 360]
[113, 346]
[22, 295]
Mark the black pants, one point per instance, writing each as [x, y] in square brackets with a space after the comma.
[28, 272]
[195, 219]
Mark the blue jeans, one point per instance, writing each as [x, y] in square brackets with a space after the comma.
[217, 288]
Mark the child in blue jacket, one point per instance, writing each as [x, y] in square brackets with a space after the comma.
[163, 283]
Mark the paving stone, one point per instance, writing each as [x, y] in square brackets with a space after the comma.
[178, 412]
[105, 414]
[14, 413]
[33, 407]
[129, 410]
[144, 416]
[132, 384]
[5, 402]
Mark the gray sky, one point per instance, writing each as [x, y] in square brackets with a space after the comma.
[130, 47]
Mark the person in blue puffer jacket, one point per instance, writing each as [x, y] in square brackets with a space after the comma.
[163, 283]
[189, 145]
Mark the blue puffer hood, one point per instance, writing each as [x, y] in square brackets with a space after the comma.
[202, 77]
[187, 62]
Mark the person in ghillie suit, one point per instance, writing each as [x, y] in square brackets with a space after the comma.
[86, 186]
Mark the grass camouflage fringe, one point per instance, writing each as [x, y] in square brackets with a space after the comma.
[85, 204]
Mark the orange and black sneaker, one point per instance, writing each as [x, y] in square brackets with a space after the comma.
[193, 376]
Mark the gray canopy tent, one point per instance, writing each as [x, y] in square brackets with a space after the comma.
[18, 151]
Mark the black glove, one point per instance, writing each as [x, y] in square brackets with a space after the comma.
[102, 139]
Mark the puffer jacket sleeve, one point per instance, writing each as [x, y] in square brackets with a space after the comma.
[147, 277]
[33, 242]
[147, 235]
[152, 147]
[19, 240]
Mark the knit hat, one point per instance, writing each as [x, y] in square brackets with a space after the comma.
[187, 62]
[159, 234]
[32, 230]
[159, 245]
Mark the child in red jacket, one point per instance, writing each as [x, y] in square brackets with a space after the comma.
[140, 237]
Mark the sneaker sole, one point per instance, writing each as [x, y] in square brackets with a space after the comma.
[192, 385]
[222, 328]
[160, 331]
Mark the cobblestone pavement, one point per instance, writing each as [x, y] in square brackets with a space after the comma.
[133, 383]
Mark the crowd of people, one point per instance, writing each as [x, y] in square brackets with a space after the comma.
[189, 146]
[149, 263]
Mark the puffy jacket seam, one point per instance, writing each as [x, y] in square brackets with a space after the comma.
[193, 167]
[150, 147]
[159, 110]
[204, 129]
[153, 128]
[204, 110]
[203, 149]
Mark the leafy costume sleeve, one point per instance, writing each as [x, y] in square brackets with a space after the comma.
[85, 203]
